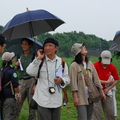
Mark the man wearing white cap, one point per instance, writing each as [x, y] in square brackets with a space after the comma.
[106, 72]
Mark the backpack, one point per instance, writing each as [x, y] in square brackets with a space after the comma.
[2, 71]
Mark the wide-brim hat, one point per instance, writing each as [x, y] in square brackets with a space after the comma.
[77, 48]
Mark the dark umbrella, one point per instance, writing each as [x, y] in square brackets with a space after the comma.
[15, 46]
[30, 24]
[115, 45]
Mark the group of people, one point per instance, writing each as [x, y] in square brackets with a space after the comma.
[40, 80]
[103, 73]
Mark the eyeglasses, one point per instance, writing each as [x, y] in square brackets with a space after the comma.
[25, 44]
[50, 46]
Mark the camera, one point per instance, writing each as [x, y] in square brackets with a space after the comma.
[52, 90]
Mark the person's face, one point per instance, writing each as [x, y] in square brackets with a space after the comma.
[50, 49]
[25, 45]
[84, 50]
[104, 65]
[2, 48]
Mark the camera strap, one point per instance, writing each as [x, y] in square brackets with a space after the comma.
[48, 71]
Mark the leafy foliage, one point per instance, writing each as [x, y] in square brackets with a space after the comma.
[67, 39]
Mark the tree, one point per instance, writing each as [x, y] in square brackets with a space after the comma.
[1, 27]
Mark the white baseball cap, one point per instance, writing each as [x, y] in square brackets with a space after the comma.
[106, 57]
[7, 56]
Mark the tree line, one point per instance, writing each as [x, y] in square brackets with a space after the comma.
[67, 39]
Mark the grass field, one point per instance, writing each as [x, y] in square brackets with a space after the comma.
[69, 111]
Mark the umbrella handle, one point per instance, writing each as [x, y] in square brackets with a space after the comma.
[27, 9]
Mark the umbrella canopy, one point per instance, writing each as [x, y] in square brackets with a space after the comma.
[15, 46]
[115, 45]
[30, 24]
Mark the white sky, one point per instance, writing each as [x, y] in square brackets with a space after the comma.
[98, 17]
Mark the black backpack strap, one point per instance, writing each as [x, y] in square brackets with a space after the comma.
[33, 57]
[40, 68]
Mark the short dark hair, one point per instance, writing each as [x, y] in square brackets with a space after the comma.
[2, 40]
[5, 63]
[26, 39]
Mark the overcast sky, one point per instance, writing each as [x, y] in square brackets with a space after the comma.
[98, 17]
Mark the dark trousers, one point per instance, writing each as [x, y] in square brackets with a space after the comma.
[0, 110]
[8, 109]
[49, 113]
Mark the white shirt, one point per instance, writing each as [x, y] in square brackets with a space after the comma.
[46, 80]
[85, 67]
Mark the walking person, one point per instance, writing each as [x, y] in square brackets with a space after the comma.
[106, 72]
[26, 81]
[48, 93]
[2, 46]
[80, 69]
[10, 87]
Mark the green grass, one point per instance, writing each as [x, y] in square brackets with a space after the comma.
[69, 111]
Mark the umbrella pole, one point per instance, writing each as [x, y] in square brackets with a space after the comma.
[31, 30]
[35, 44]
[32, 34]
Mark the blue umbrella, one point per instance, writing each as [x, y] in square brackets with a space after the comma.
[30, 24]
[15, 45]
[115, 45]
